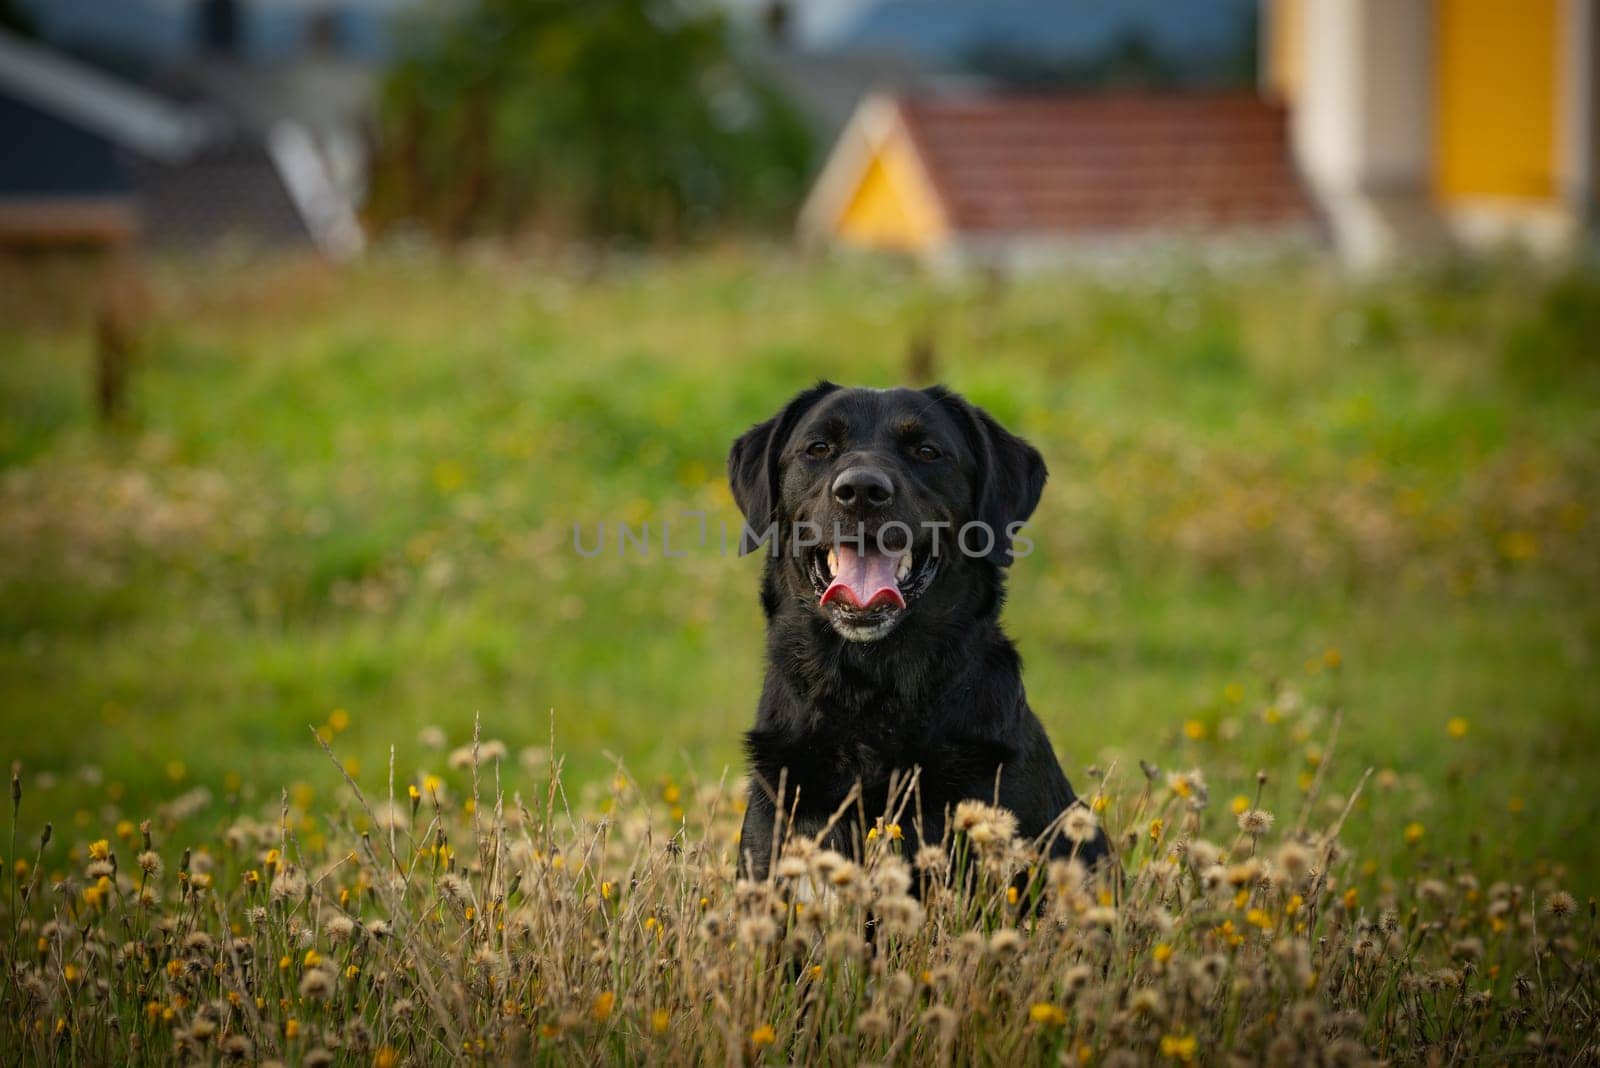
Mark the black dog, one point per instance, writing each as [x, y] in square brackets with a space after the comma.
[887, 516]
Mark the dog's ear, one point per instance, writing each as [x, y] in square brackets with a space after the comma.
[753, 464]
[1010, 472]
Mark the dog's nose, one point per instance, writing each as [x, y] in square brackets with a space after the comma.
[863, 489]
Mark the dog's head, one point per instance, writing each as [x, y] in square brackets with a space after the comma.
[880, 506]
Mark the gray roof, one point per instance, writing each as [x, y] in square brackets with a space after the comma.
[123, 114]
[826, 87]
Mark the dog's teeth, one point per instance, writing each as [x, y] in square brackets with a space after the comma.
[904, 569]
[833, 562]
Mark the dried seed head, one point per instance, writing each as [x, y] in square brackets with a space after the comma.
[1066, 876]
[942, 1020]
[1244, 874]
[317, 983]
[792, 867]
[454, 889]
[1202, 854]
[288, 884]
[1294, 860]
[1255, 822]
[1080, 825]
[845, 875]
[825, 862]
[844, 945]
[1147, 1002]
[901, 914]
[1005, 943]
[891, 877]
[758, 931]
[969, 814]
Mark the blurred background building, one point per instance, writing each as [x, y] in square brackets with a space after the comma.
[1421, 124]
[1010, 180]
[948, 129]
[186, 124]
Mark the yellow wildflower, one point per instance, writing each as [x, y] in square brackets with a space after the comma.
[1178, 1047]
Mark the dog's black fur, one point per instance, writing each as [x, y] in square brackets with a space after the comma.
[941, 689]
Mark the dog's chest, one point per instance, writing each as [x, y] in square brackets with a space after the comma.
[819, 769]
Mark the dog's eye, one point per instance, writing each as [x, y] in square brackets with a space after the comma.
[819, 450]
[927, 453]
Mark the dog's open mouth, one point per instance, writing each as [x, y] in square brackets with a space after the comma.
[864, 591]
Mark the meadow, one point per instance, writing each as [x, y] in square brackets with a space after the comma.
[1296, 523]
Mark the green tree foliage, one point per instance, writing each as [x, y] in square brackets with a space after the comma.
[614, 118]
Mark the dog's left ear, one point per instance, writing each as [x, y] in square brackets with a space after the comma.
[1010, 476]
[753, 464]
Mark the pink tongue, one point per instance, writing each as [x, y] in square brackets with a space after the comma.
[865, 580]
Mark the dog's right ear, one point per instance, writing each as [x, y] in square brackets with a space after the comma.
[753, 464]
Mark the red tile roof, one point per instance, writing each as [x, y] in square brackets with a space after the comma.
[1008, 164]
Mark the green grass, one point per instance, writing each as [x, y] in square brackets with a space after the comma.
[355, 490]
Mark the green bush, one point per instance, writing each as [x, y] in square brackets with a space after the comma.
[595, 118]
[1553, 346]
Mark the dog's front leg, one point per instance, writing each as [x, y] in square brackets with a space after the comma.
[755, 837]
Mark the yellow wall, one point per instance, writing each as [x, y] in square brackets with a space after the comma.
[1495, 98]
[890, 207]
[1285, 47]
